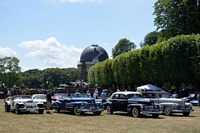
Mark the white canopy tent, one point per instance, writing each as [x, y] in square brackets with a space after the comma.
[148, 87]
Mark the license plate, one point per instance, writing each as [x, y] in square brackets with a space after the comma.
[154, 110]
[32, 110]
[92, 109]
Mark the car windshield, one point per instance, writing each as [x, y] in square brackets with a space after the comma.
[60, 95]
[39, 97]
[191, 95]
[80, 95]
[22, 96]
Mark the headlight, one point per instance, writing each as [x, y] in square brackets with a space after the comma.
[141, 106]
[82, 103]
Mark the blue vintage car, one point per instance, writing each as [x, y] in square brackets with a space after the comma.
[77, 104]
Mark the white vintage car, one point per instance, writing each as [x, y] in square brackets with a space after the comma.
[40, 98]
[23, 103]
[169, 105]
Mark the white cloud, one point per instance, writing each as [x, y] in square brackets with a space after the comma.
[7, 52]
[52, 53]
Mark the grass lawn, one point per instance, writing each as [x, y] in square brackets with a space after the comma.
[88, 123]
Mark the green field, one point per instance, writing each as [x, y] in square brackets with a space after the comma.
[116, 123]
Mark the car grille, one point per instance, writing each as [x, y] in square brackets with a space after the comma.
[29, 106]
[151, 107]
[87, 106]
[180, 107]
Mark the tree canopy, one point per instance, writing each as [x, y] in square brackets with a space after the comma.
[124, 45]
[176, 17]
[150, 39]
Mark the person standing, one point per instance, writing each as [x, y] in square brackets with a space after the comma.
[5, 93]
[103, 96]
[96, 93]
[198, 98]
[88, 93]
[49, 101]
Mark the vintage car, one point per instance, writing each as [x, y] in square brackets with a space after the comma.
[78, 103]
[192, 98]
[132, 103]
[23, 103]
[40, 98]
[57, 96]
[169, 105]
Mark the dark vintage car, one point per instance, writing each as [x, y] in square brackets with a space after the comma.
[78, 103]
[132, 103]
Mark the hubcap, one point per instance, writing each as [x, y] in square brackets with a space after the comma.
[108, 109]
[135, 112]
[167, 111]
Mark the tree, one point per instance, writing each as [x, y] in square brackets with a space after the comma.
[32, 78]
[176, 17]
[123, 46]
[10, 71]
[150, 39]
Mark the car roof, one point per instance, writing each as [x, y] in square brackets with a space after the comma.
[127, 92]
[38, 94]
[156, 92]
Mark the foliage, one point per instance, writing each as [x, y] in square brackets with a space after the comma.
[177, 17]
[173, 61]
[123, 46]
[10, 71]
[48, 78]
[150, 39]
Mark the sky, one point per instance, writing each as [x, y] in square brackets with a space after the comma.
[53, 33]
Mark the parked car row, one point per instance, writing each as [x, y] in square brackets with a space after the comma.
[133, 103]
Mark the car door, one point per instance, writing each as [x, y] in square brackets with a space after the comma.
[115, 102]
[123, 102]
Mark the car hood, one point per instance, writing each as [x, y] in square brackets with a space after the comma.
[23, 100]
[139, 100]
[174, 100]
[39, 100]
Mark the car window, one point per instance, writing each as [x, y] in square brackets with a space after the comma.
[149, 95]
[122, 96]
[116, 96]
[139, 96]
[134, 96]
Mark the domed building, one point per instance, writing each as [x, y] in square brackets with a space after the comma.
[92, 55]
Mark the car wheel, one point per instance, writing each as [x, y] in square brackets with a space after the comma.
[109, 109]
[186, 113]
[57, 110]
[155, 115]
[40, 111]
[7, 108]
[76, 111]
[167, 111]
[135, 112]
[96, 113]
[17, 111]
